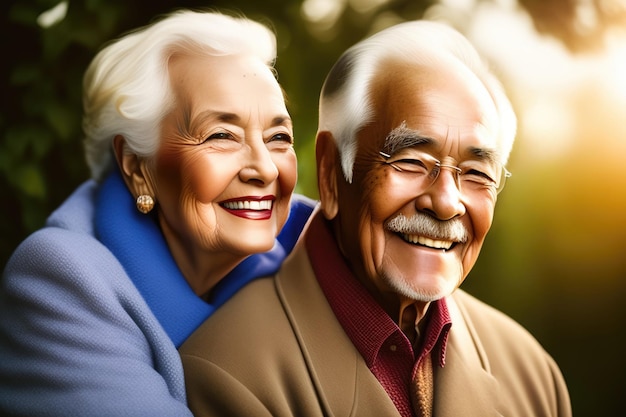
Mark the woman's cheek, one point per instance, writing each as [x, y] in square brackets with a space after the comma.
[208, 177]
[287, 165]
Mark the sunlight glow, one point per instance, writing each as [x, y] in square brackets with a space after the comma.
[325, 12]
[464, 5]
[550, 125]
[365, 6]
[616, 63]
[53, 16]
[556, 92]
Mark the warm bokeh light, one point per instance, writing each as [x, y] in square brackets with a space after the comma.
[322, 14]
[615, 82]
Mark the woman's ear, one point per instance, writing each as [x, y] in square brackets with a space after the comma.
[327, 155]
[133, 169]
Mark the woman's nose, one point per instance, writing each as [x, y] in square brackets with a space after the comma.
[259, 166]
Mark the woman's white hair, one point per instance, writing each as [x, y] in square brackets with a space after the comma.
[127, 87]
[345, 102]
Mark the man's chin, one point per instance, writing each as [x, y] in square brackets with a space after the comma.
[425, 290]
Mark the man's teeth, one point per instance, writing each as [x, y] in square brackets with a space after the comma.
[249, 205]
[437, 244]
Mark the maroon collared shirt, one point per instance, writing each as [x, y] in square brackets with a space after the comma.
[386, 350]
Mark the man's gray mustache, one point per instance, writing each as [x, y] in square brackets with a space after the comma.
[425, 225]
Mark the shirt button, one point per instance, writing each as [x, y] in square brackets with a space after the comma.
[393, 348]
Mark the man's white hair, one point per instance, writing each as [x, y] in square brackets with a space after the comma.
[126, 88]
[345, 102]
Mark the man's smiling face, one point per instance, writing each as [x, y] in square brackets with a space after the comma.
[403, 238]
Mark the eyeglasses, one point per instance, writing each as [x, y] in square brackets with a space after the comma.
[470, 176]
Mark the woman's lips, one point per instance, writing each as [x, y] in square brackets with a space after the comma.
[250, 207]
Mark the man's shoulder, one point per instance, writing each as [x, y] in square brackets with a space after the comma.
[253, 312]
[498, 333]
[527, 375]
[483, 315]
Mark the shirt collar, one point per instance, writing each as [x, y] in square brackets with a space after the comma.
[365, 322]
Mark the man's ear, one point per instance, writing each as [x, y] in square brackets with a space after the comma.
[133, 169]
[327, 155]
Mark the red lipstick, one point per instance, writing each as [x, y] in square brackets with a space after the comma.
[250, 207]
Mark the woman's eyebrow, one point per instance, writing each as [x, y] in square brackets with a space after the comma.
[228, 117]
[217, 115]
[192, 123]
[282, 120]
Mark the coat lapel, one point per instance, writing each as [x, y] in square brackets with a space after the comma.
[344, 384]
[464, 386]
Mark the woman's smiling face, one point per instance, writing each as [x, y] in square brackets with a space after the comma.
[226, 168]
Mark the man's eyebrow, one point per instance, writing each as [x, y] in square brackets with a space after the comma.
[402, 137]
[484, 154]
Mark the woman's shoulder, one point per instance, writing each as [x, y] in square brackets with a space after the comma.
[65, 253]
[67, 261]
[77, 211]
[67, 235]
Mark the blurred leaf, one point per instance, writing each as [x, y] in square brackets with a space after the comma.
[63, 120]
[30, 181]
[25, 13]
[24, 143]
[25, 73]
[55, 41]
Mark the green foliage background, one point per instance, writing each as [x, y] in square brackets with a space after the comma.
[553, 260]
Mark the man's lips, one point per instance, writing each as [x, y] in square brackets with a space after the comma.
[250, 207]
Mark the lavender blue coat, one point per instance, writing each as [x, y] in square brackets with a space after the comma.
[84, 332]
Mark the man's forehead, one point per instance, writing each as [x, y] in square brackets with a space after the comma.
[433, 104]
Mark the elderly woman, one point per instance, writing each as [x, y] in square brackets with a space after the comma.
[190, 146]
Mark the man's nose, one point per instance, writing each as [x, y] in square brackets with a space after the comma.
[443, 198]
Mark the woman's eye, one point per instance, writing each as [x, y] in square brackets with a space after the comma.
[283, 137]
[217, 136]
[220, 135]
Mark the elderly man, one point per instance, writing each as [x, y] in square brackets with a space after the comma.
[365, 318]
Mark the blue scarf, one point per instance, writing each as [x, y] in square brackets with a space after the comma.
[137, 242]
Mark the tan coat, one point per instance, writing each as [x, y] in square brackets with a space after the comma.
[276, 349]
